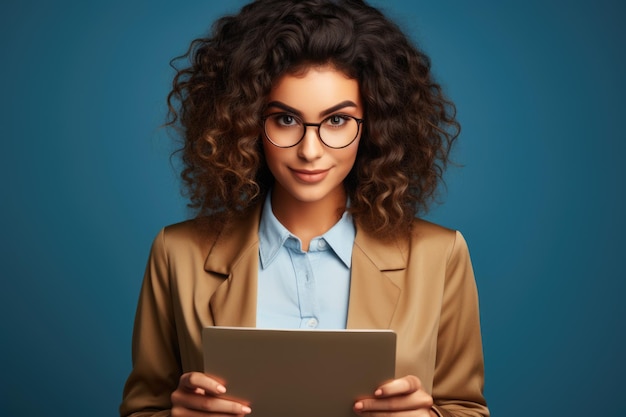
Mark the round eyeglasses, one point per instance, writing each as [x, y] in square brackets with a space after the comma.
[286, 130]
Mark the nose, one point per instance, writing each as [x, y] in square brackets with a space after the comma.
[311, 147]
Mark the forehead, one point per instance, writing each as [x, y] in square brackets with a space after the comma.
[315, 89]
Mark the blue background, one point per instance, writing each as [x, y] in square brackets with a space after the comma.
[87, 182]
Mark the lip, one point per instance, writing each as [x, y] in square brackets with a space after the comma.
[310, 176]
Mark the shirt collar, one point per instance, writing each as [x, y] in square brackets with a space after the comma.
[273, 235]
[340, 238]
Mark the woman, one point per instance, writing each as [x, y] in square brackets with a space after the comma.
[313, 136]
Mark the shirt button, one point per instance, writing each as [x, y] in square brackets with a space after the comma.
[312, 323]
[321, 244]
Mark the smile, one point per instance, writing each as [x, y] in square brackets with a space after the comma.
[310, 176]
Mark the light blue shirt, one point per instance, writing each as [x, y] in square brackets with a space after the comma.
[306, 290]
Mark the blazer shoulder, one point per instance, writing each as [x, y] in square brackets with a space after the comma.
[423, 229]
[434, 238]
[198, 228]
[213, 238]
[199, 234]
[424, 239]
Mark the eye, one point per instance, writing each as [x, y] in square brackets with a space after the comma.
[336, 120]
[285, 120]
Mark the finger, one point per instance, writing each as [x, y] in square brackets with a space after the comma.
[413, 401]
[184, 412]
[207, 404]
[400, 386]
[192, 381]
[423, 412]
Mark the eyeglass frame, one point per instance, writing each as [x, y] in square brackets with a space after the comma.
[359, 122]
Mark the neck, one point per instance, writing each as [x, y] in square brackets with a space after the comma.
[305, 219]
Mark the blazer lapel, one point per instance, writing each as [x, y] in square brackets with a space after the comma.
[373, 293]
[235, 257]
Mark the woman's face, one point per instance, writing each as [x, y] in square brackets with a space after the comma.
[311, 171]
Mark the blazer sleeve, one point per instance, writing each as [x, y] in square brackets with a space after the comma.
[156, 366]
[459, 369]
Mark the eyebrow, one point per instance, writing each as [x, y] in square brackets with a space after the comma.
[339, 106]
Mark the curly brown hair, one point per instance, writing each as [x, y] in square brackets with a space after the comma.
[218, 99]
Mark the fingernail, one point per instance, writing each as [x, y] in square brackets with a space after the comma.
[358, 405]
[378, 392]
[246, 410]
[221, 389]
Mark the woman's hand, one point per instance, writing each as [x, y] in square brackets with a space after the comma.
[401, 397]
[199, 395]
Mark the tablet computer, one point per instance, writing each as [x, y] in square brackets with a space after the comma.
[299, 372]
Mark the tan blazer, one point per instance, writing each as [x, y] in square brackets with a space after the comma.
[422, 288]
